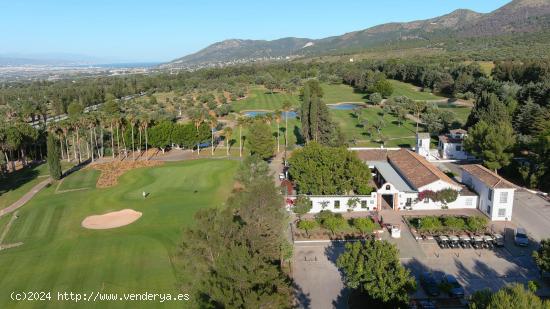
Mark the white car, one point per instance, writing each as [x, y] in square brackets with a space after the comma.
[281, 176]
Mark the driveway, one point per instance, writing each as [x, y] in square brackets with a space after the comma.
[533, 213]
[318, 283]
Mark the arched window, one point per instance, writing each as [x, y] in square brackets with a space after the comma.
[388, 187]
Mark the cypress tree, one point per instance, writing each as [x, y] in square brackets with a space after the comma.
[53, 157]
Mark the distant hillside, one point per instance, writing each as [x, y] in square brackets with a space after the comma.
[518, 16]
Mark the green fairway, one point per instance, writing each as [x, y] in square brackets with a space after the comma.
[80, 180]
[341, 93]
[461, 112]
[59, 255]
[262, 99]
[411, 91]
[403, 135]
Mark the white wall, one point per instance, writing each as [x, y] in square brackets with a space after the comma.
[439, 185]
[490, 206]
[448, 151]
[461, 202]
[423, 147]
[318, 200]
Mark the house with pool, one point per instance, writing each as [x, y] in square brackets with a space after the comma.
[404, 180]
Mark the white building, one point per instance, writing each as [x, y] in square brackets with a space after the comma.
[496, 195]
[423, 144]
[451, 146]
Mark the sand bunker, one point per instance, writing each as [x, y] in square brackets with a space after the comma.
[111, 220]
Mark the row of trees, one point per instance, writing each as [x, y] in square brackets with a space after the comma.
[233, 258]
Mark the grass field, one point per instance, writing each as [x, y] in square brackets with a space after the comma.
[15, 185]
[59, 255]
[83, 179]
[341, 93]
[403, 135]
[461, 112]
[260, 98]
[410, 91]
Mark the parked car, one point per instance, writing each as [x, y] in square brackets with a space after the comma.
[477, 242]
[488, 241]
[499, 240]
[442, 241]
[455, 289]
[281, 176]
[465, 241]
[429, 284]
[520, 237]
[454, 241]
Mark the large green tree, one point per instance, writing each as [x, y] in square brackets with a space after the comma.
[373, 267]
[542, 256]
[53, 157]
[231, 258]
[260, 141]
[318, 169]
[492, 143]
[317, 124]
[510, 297]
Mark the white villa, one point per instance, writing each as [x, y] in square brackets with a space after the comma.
[402, 179]
[450, 145]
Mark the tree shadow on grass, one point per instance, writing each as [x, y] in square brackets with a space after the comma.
[298, 134]
[15, 180]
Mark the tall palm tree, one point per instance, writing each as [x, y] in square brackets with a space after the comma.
[213, 123]
[198, 116]
[228, 131]
[241, 121]
[286, 108]
[132, 120]
[145, 124]
[278, 116]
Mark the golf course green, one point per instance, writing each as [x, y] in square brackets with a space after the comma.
[59, 255]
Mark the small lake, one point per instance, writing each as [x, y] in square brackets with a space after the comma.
[290, 114]
[344, 106]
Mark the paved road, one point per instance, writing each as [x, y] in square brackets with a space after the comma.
[533, 213]
[25, 198]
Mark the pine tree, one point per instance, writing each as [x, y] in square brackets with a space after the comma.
[53, 157]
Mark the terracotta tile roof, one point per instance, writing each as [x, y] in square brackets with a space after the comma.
[446, 139]
[373, 154]
[416, 169]
[458, 131]
[488, 177]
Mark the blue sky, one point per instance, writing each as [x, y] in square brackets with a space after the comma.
[161, 30]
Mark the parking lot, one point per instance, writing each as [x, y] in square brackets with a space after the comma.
[319, 284]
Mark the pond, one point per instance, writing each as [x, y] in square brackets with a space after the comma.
[291, 114]
[343, 106]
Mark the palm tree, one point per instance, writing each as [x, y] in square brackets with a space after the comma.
[132, 120]
[198, 116]
[242, 121]
[227, 132]
[145, 124]
[278, 121]
[286, 108]
[213, 123]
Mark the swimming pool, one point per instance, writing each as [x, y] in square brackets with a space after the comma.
[343, 106]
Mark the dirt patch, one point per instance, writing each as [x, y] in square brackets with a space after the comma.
[111, 220]
[111, 171]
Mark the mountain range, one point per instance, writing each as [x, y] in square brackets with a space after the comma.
[516, 17]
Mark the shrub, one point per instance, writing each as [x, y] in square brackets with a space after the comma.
[364, 225]
[476, 223]
[307, 225]
[334, 223]
[302, 205]
[454, 223]
[430, 224]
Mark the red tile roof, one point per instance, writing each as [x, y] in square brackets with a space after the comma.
[488, 177]
[373, 154]
[417, 170]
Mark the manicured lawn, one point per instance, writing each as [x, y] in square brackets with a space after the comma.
[15, 185]
[403, 135]
[86, 178]
[341, 93]
[461, 112]
[262, 99]
[59, 255]
[411, 91]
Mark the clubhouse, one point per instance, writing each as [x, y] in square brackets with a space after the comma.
[405, 180]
